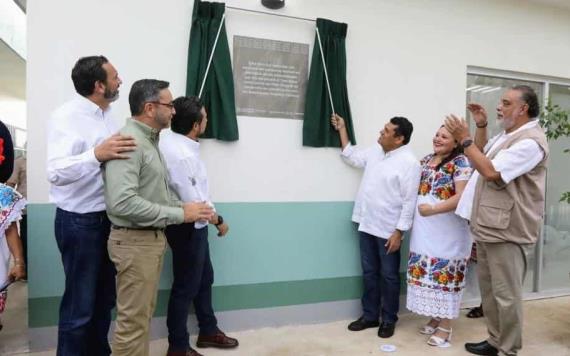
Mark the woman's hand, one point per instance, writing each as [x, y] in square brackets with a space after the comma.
[17, 272]
[426, 209]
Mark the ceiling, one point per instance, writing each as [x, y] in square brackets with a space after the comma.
[12, 72]
[563, 4]
[22, 4]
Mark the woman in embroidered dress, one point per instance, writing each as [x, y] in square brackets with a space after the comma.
[440, 242]
[11, 205]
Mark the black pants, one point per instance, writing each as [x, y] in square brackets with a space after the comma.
[193, 279]
[24, 238]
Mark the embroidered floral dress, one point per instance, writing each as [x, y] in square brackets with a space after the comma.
[11, 205]
[440, 244]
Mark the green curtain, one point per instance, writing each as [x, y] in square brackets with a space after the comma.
[317, 130]
[218, 92]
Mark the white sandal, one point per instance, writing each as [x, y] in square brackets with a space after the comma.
[438, 341]
[428, 329]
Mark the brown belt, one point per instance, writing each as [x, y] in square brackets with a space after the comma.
[141, 228]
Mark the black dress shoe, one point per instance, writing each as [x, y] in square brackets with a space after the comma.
[386, 330]
[362, 324]
[481, 348]
[219, 340]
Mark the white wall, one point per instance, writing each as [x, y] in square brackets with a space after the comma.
[404, 58]
[13, 111]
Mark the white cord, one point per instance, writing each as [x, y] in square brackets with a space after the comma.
[211, 55]
[325, 68]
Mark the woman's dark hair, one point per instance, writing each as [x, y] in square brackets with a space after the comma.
[457, 150]
[6, 153]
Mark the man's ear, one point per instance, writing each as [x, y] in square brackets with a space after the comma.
[399, 139]
[99, 87]
[524, 110]
[148, 107]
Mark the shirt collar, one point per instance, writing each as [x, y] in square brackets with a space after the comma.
[149, 132]
[528, 125]
[193, 146]
[394, 152]
[90, 107]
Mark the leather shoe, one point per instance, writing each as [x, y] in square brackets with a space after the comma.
[362, 324]
[386, 330]
[219, 340]
[481, 348]
[190, 352]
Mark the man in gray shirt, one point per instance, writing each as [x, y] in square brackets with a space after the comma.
[140, 206]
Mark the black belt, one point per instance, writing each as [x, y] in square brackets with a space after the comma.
[142, 228]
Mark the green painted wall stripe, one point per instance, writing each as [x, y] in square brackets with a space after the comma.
[277, 254]
[267, 243]
[44, 311]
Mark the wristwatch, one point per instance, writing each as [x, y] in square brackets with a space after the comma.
[466, 143]
[220, 220]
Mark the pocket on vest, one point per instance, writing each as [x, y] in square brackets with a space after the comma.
[495, 214]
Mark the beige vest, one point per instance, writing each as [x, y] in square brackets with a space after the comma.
[511, 212]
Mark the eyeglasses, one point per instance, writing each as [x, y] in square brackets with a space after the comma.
[169, 105]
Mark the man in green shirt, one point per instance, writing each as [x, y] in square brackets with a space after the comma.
[140, 205]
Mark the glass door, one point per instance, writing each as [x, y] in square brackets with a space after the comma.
[556, 233]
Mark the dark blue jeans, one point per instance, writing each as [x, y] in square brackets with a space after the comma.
[193, 279]
[381, 275]
[89, 296]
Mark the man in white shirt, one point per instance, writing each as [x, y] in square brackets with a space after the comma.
[81, 136]
[384, 209]
[191, 264]
[504, 201]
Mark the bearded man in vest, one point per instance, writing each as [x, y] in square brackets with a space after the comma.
[504, 201]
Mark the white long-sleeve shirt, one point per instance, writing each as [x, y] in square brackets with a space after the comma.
[386, 198]
[187, 175]
[73, 131]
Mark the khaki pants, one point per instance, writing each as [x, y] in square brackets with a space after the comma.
[501, 270]
[137, 255]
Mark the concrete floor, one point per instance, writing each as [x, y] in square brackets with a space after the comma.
[546, 333]
[14, 335]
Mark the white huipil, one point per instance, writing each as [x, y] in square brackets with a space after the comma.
[440, 244]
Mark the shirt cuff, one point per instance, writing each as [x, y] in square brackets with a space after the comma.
[403, 227]
[89, 157]
[174, 215]
[347, 151]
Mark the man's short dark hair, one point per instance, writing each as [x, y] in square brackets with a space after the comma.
[528, 95]
[188, 112]
[86, 72]
[403, 128]
[144, 91]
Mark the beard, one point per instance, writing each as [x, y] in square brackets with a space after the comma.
[505, 123]
[162, 121]
[111, 95]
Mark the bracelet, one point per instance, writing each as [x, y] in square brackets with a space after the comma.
[20, 264]
[482, 126]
